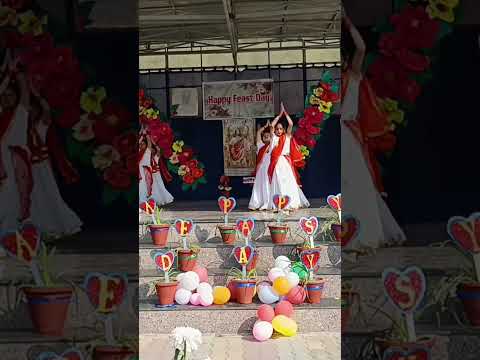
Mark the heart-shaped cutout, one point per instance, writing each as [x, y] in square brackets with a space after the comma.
[417, 353]
[70, 354]
[164, 260]
[106, 292]
[243, 254]
[22, 244]
[347, 231]
[335, 202]
[405, 289]
[148, 206]
[245, 227]
[466, 232]
[309, 225]
[310, 258]
[226, 204]
[183, 227]
[281, 201]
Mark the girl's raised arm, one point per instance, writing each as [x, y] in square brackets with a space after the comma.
[360, 47]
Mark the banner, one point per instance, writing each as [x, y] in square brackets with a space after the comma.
[184, 102]
[239, 150]
[238, 99]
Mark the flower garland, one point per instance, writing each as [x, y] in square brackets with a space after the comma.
[180, 158]
[319, 105]
[101, 132]
[402, 64]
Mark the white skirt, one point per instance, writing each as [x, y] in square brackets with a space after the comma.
[159, 193]
[261, 195]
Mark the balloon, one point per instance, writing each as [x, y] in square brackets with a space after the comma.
[284, 308]
[275, 273]
[297, 295]
[201, 272]
[281, 285]
[221, 295]
[284, 325]
[189, 281]
[282, 262]
[180, 276]
[265, 313]
[206, 299]
[293, 279]
[300, 269]
[204, 288]
[182, 296]
[195, 299]
[267, 295]
[262, 330]
[231, 287]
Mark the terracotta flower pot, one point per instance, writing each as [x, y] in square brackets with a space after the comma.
[315, 290]
[253, 264]
[349, 298]
[159, 234]
[187, 259]
[48, 308]
[112, 353]
[244, 290]
[166, 292]
[228, 233]
[383, 344]
[469, 294]
[278, 233]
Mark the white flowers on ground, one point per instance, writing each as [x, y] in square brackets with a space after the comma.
[187, 340]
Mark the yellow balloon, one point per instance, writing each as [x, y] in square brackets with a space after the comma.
[284, 325]
[281, 285]
[221, 295]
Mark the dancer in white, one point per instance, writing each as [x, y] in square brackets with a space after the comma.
[150, 178]
[360, 197]
[261, 195]
[282, 171]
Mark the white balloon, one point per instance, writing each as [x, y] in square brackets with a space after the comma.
[282, 262]
[206, 299]
[204, 288]
[267, 294]
[263, 283]
[275, 273]
[180, 276]
[182, 296]
[293, 279]
[189, 281]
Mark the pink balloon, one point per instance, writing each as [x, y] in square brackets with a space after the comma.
[262, 330]
[265, 313]
[201, 272]
[297, 295]
[206, 299]
[195, 299]
[284, 308]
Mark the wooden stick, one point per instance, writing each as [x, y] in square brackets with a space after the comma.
[412, 336]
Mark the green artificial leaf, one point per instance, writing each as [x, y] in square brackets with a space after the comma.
[445, 29]
[335, 88]
[80, 151]
[172, 168]
[186, 187]
[110, 195]
[326, 77]
[424, 77]
[194, 186]
[202, 180]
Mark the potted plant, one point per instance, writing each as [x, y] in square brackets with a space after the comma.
[244, 285]
[112, 349]
[309, 227]
[228, 232]
[167, 287]
[349, 299]
[279, 230]
[159, 229]
[187, 258]
[314, 285]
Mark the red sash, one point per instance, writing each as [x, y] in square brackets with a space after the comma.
[295, 159]
[5, 120]
[260, 156]
[55, 150]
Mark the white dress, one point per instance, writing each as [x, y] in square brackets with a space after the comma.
[360, 197]
[16, 135]
[159, 192]
[49, 212]
[261, 195]
[284, 181]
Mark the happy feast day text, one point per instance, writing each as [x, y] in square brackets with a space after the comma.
[237, 99]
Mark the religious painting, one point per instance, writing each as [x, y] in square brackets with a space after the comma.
[239, 151]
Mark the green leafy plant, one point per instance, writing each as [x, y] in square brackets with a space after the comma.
[158, 218]
[236, 273]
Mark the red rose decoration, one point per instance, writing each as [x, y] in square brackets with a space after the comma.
[117, 177]
[16, 4]
[302, 123]
[310, 143]
[412, 61]
[132, 164]
[312, 130]
[313, 115]
[389, 43]
[185, 156]
[125, 144]
[192, 164]
[301, 135]
[197, 173]
[188, 179]
[167, 152]
[110, 122]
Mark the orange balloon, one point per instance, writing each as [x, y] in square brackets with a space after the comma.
[281, 285]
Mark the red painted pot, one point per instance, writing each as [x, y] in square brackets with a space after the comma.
[315, 290]
[112, 353]
[228, 233]
[244, 290]
[278, 233]
[187, 259]
[469, 294]
[382, 345]
[166, 292]
[48, 308]
[159, 234]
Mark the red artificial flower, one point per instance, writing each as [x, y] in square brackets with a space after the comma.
[197, 173]
[412, 61]
[415, 27]
[131, 164]
[312, 130]
[185, 155]
[302, 123]
[125, 144]
[389, 43]
[117, 177]
[16, 4]
[192, 164]
[167, 152]
[310, 143]
[68, 117]
[161, 134]
[110, 122]
[326, 93]
[188, 179]
[301, 135]
[313, 114]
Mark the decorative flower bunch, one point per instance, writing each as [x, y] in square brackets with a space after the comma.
[318, 107]
[224, 186]
[180, 158]
[402, 63]
[186, 341]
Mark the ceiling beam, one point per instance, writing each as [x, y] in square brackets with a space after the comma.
[232, 29]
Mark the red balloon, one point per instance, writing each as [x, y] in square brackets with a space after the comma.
[232, 288]
[297, 295]
[265, 313]
[201, 272]
[284, 308]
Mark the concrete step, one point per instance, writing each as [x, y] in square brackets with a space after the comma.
[232, 318]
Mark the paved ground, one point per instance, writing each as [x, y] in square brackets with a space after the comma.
[319, 346]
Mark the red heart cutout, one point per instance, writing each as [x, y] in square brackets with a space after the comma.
[337, 232]
[335, 202]
[226, 204]
[309, 225]
[245, 226]
[411, 354]
[349, 229]
[243, 254]
[22, 244]
[164, 261]
[148, 206]
[281, 201]
[183, 227]
[106, 292]
[466, 232]
[405, 289]
[310, 258]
